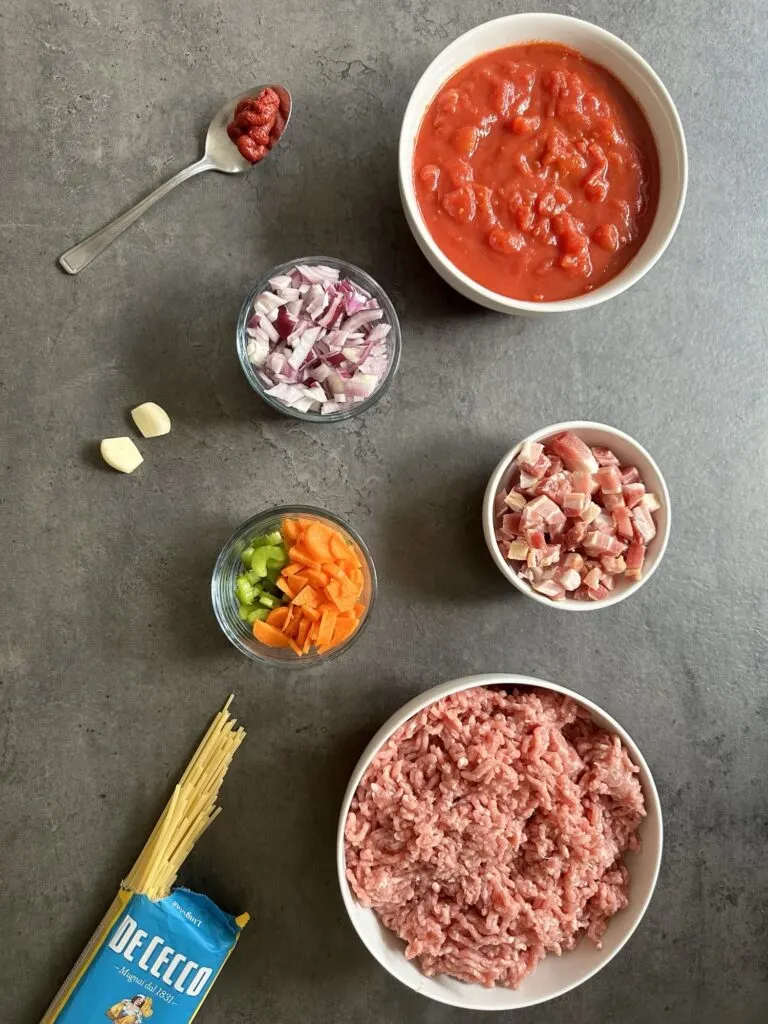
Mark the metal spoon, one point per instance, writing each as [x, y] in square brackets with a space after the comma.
[221, 154]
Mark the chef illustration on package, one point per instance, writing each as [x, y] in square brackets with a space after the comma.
[131, 1011]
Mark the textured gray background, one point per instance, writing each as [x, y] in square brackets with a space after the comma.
[111, 662]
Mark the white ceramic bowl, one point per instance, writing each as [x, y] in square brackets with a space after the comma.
[636, 75]
[554, 975]
[631, 453]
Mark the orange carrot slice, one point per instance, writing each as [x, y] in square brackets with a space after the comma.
[284, 586]
[316, 577]
[296, 583]
[293, 567]
[311, 613]
[327, 626]
[303, 633]
[269, 635]
[290, 529]
[316, 540]
[295, 647]
[343, 630]
[278, 616]
[306, 596]
[299, 554]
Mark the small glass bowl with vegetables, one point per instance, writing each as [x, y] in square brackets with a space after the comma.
[318, 339]
[293, 585]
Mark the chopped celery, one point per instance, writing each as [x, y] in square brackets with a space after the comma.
[244, 591]
[269, 600]
[257, 613]
[246, 555]
[244, 610]
[253, 578]
[259, 561]
[268, 539]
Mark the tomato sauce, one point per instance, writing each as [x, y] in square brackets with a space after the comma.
[536, 172]
[257, 124]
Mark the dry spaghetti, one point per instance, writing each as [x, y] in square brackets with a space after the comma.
[158, 943]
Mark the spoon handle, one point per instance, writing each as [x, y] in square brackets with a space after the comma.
[79, 256]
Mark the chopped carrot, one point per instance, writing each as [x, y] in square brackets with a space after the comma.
[303, 633]
[359, 609]
[343, 630]
[307, 645]
[278, 616]
[327, 626]
[269, 635]
[311, 613]
[299, 554]
[293, 567]
[340, 550]
[291, 529]
[296, 583]
[291, 628]
[284, 586]
[306, 596]
[316, 540]
[316, 577]
[295, 647]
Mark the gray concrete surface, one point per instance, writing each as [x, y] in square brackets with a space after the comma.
[111, 660]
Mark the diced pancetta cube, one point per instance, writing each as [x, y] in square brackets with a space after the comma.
[557, 529]
[529, 454]
[613, 565]
[529, 517]
[592, 578]
[575, 535]
[598, 543]
[515, 500]
[533, 558]
[550, 588]
[568, 579]
[590, 513]
[517, 551]
[527, 481]
[551, 555]
[574, 453]
[585, 482]
[612, 501]
[555, 464]
[575, 503]
[633, 494]
[536, 539]
[645, 528]
[510, 524]
[609, 479]
[555, 487]
[546, 508]
[651, 502]
[573, 560]
[605, 457]
[630, 474]
[608, 581]
[539, 468]
[597, 593]
[635, 560]
[604, 523]
[622, 517]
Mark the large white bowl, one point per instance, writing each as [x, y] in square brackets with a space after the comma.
[631, 453]
[554, 975]
[636, 75]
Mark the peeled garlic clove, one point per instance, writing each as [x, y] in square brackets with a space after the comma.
[121, 453]
[151, 420]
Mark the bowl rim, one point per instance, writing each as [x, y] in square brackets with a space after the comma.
[507, 680]
[390, 314]
[637, 267]
[244, 528]
[569, 604]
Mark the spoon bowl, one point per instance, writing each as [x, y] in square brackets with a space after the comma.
[221, 154]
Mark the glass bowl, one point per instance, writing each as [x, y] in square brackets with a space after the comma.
[229, 566]
[358, 277]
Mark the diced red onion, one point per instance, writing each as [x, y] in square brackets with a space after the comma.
[318, 342]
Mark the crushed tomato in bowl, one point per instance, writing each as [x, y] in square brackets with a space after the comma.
[536, 172]
[257, 124]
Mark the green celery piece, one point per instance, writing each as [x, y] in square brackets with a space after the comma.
[259, 561]
[267, 539]
[253, 578]
[258, 613]
[269, 600]
[246, 555]
[273, 554]
[244, 591]
[243, 610]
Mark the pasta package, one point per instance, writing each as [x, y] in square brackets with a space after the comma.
[160, 947]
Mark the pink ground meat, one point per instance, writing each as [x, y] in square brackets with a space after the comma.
[489, 831]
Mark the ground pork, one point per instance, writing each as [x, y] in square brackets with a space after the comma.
[489, 831]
